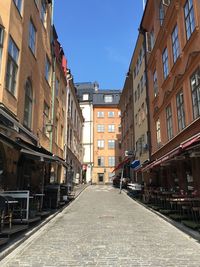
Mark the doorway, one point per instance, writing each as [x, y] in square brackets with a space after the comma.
[100, 177]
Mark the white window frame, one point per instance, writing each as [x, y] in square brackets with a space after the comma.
[12, 66]
[111, 128]
[100, 144]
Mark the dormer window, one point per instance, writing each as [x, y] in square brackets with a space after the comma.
[85, 97]
[108, 98]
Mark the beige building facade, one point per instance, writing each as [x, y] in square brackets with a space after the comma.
[33, 99]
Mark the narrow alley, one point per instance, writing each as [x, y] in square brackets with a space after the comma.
[105, 228]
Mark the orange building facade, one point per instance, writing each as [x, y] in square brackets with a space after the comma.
[106, 134]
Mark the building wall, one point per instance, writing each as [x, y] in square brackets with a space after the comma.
[105, 152]
[179, 75]
[31, 67]
[140, 104]
[74, 134]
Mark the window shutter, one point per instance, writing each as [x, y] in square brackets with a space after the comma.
[148, 42]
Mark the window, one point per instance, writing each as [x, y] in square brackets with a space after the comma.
[28, 105]
[12, 66]
[135, 95]
[195, 87]
[139, 117]
[100, 128]
[189, 18]
[32, 37]
[61, 134]
[138, 90]
[169, 122]
[142, 112]
[100, 114]
[57, 86]
[56, 131]
[111, 161]
[155, 83]
[161, 12]
[165, 63]
[43, 11]
[18, 4]
[152, 38]
[175, 44]
[100, 143]
[144, 79]
[100, 161]
[141, 84]
[85, 96]
[136, 119]
[36, 2]
[119, 113]
[111, 114]
[45, 118]
[1, 42]
[47, 70]
[111, 144]
[180, 110]
[72, 109]
[158, 135]
[108, 98]
[111, 128]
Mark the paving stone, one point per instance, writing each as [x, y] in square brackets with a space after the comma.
[105, 228]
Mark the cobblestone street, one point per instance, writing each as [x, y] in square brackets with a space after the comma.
[105, 228]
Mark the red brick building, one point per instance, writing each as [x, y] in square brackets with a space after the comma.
[173, 69]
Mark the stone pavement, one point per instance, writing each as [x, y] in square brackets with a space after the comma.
[104, 228]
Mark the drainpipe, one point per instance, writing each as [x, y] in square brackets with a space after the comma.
[53, 81]
[143, 32]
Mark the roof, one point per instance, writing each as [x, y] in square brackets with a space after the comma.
[99, 97]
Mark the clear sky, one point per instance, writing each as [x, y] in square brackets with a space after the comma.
[98, 37]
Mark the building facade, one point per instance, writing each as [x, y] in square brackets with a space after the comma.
[107, 135]
[74, 155]
[127, 125]
[33, 100]
[173, 55]
[85, 96]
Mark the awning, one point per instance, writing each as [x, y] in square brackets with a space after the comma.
[162, 159]
[61, 161]
[135, 164]
[37, 155]
[9, 142]
[191, 141]
[121, 164]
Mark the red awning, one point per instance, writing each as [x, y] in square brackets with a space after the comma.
[194, 139]
[121, 164]
[162, 159]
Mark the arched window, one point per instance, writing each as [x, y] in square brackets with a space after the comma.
[28, 104]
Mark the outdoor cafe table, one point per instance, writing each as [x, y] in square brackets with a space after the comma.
[183, 201]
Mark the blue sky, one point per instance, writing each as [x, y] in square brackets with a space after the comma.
[98, 37]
